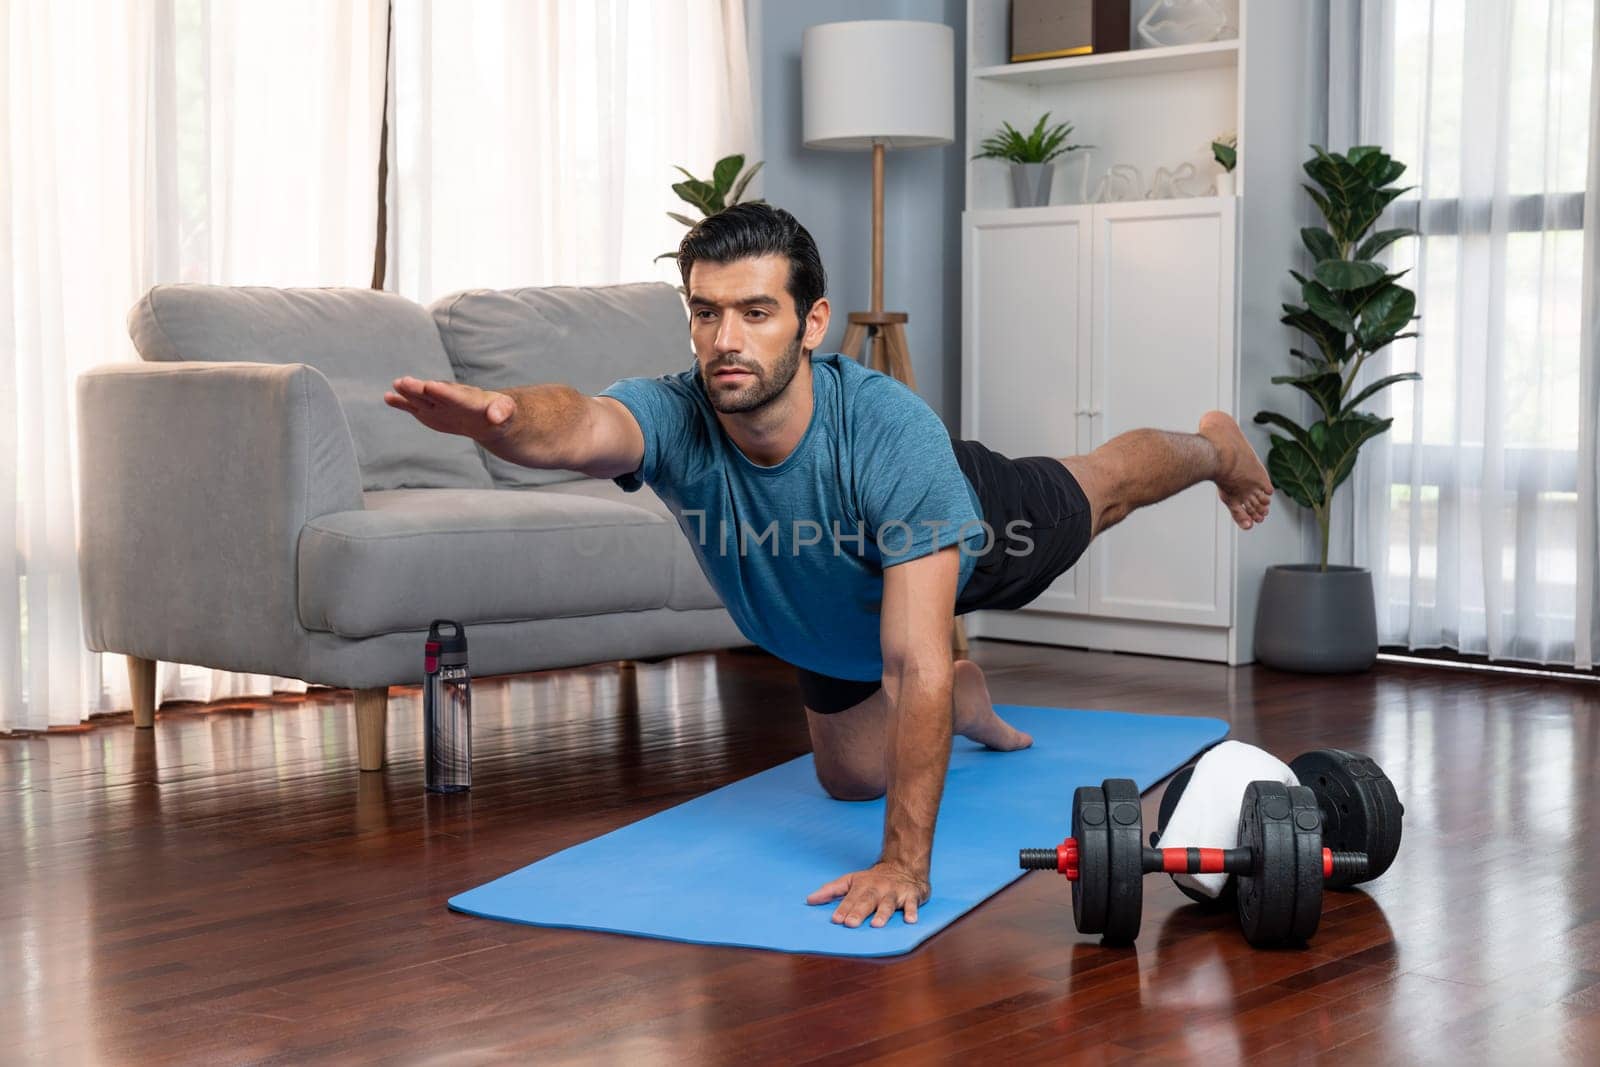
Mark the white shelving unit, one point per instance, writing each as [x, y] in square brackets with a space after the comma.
[1085, 320]
[1149, 108]
[1136, 61]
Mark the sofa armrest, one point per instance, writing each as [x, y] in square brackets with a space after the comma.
[195, 481]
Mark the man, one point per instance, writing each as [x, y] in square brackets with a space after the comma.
[840, 524]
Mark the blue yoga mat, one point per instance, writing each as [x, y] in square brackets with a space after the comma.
[734, 867]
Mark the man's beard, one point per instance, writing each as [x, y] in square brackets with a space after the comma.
[757, 393]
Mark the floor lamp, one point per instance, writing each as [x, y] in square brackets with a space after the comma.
[879, 84]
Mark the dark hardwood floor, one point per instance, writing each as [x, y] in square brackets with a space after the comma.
[227, 888]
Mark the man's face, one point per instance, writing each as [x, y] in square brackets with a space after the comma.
[747, 333]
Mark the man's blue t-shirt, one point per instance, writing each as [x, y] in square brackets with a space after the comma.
[797, 550]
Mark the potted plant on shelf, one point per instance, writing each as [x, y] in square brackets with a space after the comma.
[1030, 157]
[1313, 617]
[722, 191]
[1225, 150]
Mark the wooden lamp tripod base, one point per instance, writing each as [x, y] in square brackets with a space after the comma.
[885, 329]
[887, 333]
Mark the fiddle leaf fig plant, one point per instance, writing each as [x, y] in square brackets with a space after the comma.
[724, 189]
[1354, 307]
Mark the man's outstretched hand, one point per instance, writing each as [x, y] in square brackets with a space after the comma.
[879, 891]
[451, 407]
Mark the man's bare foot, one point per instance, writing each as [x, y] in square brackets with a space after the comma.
[975, 716]
[1243, 483]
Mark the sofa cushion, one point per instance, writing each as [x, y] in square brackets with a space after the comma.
[585, 337]
[479, 555]
[360, 339]
[690, 589]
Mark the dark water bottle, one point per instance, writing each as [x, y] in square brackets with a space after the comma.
[447, 709]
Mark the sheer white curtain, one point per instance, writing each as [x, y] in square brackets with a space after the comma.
[534, 140]
[146, 141]
[1476, 514]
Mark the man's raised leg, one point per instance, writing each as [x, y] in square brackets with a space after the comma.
[1143, 467]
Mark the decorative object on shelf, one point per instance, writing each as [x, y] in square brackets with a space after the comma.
[1076, 164]
[1179, 22]
[1225, 150]
[722, 191]
[1054, 29]
[1030, 157]
[1125, 182]
[1175, 184]
[1122, 182]
[1312, 617]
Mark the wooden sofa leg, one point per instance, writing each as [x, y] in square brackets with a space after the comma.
[372, 723]
[142, 680]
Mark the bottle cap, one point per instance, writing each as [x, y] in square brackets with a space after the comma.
[451, 639]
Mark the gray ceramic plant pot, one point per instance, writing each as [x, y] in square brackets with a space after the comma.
[1315, 621]
[1030, 183]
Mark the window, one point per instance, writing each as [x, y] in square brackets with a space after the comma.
[1488, 105]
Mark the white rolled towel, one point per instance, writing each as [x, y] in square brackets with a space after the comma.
[1207, 815]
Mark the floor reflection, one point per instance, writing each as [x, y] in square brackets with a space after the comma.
[228, 886]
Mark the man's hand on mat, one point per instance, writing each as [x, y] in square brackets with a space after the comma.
[451, 407]
[879, 891]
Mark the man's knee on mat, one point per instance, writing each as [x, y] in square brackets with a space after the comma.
[842, 784]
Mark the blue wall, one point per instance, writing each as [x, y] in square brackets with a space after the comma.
[831, 192]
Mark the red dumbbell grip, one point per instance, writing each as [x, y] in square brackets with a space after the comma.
[1180, 860]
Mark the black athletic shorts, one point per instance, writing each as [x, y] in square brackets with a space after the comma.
[1040, 523]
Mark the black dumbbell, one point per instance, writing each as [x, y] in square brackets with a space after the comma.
[1280, 864]
[1361, 811]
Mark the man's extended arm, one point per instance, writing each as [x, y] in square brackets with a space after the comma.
[918, 680]
[548, 426]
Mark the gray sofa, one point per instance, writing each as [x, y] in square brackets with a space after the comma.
[249, 502]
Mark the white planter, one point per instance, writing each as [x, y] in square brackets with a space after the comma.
[1225, 183]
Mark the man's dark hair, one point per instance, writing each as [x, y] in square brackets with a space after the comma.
[745, 231]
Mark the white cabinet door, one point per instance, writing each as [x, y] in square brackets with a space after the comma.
[1163, 326]
[1025, 373]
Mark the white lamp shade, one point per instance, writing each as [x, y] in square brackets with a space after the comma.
[883, 81]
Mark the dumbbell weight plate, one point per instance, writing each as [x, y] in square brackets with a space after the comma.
[1169, 804]
[1089, 830]
[1361, 811]
[1125, 881]
[1307, 825]
[1267, 894]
